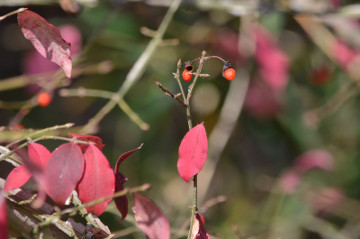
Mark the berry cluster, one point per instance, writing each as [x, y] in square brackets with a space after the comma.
[228, 72]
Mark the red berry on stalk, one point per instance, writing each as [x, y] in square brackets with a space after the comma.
[44, 99]
[229, 74]
[186, 75]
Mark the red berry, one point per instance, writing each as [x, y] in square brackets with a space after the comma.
[44, 99]
[229, 74]
[186, 75]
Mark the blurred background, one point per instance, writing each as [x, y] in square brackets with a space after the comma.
[283, 135]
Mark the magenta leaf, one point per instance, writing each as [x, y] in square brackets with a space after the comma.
[63, 172]
[17, 177]
[192, 152]
[46, 39]
[98, 180]
[122, 202]
[38, 156]
[150, 219]
[3, 218]
[33, 166]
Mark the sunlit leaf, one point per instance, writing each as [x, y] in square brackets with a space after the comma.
[46, 39]
[63, 172]
[192, 152]
[98, 180]
[17, 178]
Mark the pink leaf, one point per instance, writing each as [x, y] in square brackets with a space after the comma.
[33, 166]
[122, 202]
[63, 172]
[3, 219]
[88, 138]
[198, 229]
[150, 219]
[314, 158]
[46, 39]
[192, 152]
[17, 177]
[38, 155]
[98, 180]
[274, 64]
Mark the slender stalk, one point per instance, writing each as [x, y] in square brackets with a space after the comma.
[189, 120]
[12, 13]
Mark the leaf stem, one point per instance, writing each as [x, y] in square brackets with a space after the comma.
[190, 124]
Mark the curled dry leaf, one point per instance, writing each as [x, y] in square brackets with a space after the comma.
[192, 152]
[63, 172]
[122, 202]
[46, 39]
[98, 180]
[150, 219]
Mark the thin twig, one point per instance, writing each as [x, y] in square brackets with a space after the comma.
[137, 70]
[83, 92]
[167, 92]
[12, 13]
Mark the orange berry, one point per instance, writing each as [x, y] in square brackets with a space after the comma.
[44, 99]
[186, 75]
[229, 74]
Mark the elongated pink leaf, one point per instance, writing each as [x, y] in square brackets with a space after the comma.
[63, 172]
[98, 180]
[192, 152]
[122, 202]
[17, 177]
[150, 219]
[46, 39]
[3, 218]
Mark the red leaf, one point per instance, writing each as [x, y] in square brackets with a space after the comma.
[38, 156]
[88, 138]
[3, 219]
[192, 152]
[198, 229]
[122, 202]
[33, 166]
[17, 177]
[63, 172]
[150, 219]
[98, 180]
[46, 39]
